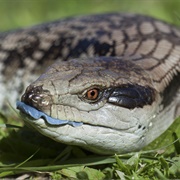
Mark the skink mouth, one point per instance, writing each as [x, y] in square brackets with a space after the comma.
[36, 114]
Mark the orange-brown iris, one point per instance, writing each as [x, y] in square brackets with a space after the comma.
[92, 94]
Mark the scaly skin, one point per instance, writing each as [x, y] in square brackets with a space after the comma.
[146, 56]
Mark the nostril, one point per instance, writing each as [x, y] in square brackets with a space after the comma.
[28, 94]
[37, 97]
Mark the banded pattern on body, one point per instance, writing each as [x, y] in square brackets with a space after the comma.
[141, 52]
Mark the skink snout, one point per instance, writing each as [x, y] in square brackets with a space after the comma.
[37, 97]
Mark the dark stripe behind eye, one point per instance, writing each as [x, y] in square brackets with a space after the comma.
[132, 96]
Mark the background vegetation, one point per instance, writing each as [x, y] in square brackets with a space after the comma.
[18, 13]
[25, 155]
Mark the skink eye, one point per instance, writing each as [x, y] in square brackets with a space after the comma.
[92, 94]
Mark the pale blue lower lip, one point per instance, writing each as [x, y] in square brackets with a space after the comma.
[36, 114]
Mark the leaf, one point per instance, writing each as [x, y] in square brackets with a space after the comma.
[133, 161]
[82, 172]
[164, 165]
[159, 174]
[175, 168]
[176, 143]
[122, 166]
[121, 175]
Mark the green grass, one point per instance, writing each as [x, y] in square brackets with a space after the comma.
[27, 153]
[18, 13]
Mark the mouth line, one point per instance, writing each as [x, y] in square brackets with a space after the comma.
[36, 114]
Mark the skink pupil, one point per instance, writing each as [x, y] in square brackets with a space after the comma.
[92, 94]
